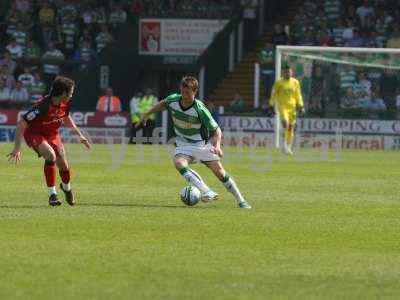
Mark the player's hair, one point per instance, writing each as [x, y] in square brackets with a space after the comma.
[61, 85]
[190, 82]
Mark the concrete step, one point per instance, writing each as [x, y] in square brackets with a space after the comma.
[241, 80]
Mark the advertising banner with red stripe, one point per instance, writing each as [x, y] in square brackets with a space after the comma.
[86, 119]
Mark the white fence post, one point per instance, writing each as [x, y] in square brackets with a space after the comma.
[231, 51]
[240, 41]
[164, 125]
[261, 17]
[202, 83]
[256, 85]
[278, 60]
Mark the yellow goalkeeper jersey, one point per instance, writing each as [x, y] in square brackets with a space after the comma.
[287, 93]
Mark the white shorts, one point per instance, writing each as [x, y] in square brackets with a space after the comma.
[199, 153]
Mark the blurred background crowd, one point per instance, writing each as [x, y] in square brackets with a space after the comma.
[40, 39]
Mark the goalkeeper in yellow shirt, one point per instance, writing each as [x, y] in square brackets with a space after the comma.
[286, 93]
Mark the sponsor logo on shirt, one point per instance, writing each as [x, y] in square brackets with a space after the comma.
[191, 119]
[53, 121]
[32, 115]
[181, 123]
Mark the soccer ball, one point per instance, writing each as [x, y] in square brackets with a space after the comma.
[190, 195]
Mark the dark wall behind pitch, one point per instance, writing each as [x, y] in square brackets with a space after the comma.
[125, 71]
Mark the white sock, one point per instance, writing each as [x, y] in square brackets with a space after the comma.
[231, 186]
[52, 190]
[285, 147]
[194, 179]
[66, 186]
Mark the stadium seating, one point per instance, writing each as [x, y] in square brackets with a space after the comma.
[323, 23]
[81, 30]
[66, 36]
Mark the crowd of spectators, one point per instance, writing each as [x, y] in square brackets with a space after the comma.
[342, 23]
[366, 23]
[212, 9]
[45, 38]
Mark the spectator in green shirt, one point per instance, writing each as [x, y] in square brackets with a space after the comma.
[32, 51]
[237, 104]
[37, 88]
[267, 64]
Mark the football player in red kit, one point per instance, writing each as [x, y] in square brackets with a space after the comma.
[39, 126]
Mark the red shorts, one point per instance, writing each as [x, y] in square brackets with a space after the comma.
[35, 140]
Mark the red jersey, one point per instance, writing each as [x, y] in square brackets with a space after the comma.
[45, 118]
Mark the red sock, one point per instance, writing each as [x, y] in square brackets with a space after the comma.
[65, 176]
[50, 173]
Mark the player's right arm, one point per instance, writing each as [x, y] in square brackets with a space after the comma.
[31, 115]
[273, 99]
[160, 106]
[274, 94]
[15, 154]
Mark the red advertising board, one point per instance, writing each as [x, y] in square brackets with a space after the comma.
[86, 119]
[8, 117]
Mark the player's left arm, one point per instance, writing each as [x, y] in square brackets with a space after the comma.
[209, 122]
[69, 122]
[217, 146]
[299, 98]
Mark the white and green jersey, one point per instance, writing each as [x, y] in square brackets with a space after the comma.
[187, 122]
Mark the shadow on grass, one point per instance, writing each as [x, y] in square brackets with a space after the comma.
[104, 205]
[140, 205]
[24, 206]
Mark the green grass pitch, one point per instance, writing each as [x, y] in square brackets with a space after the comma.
[319, 229]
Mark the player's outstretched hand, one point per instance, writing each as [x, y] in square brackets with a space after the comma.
[270, 111]
[302, 111]
[85, 141]
[143, 120]
[217, 150]
[14, 156]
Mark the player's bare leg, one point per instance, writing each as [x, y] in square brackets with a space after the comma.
[289, 138]
[286, 146]
[284, 126]
[49, 156]
[64, 171]
[181, 163]
[219, 171]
